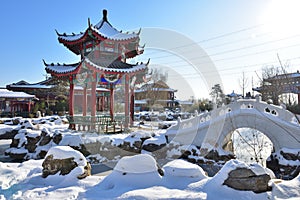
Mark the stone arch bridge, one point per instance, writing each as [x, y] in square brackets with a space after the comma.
[212, 130]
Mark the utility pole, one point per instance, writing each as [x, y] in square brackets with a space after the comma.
[252, 83]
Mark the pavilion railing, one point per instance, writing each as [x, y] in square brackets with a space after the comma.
[100, 123]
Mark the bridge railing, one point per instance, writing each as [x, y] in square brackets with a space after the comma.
[262, 107]
[256, 105]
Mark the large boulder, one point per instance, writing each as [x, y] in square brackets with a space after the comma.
[246, 179]
[63, 160]
[240, 176]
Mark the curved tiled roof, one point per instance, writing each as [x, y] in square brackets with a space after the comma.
[4, 93]
[61, 68]
[104, 29]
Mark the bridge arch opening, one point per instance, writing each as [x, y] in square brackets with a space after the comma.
[250, 145]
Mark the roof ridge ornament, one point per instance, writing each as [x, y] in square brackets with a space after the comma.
[104, 15]
[148, 62]
[58, 33]
[138, 33]
[45, 63]
[89, 22]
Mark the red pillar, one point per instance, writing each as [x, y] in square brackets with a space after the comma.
[111, 110]
[29, 106]
[132, 107]
[93, 100]
[84, 106]
[12, 110]
[71, 101]
[11, 107]
[126, 125]
[102, 100]
[94, 84]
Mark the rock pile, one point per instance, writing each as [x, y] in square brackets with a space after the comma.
[285, 163]
[33, 138]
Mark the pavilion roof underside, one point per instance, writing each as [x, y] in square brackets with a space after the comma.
[115, 66]
[104, 66]
[62, 68]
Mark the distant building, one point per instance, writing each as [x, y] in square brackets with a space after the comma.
[155, 95]
[45, 91]
[41, 89]
[280, 84]
[15, 103]
[233, 96]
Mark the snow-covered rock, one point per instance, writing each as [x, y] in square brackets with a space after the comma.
[285, 163]
[137, 164]
[33, 138]
[182, 168]
[155, 143]
[63, 152]
[240, 176]
[64, 159]
[131, 172]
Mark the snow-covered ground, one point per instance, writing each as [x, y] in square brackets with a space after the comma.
[132, 178]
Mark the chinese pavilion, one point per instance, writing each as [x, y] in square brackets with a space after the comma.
[103, 51]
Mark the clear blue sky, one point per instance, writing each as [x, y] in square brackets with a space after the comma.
[28, 33]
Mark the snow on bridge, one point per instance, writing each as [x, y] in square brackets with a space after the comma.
[212, 129]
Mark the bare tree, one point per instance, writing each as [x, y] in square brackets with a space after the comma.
[252, 144]
[243, 83]
[276, 84]
[271, 86]
[159, 75]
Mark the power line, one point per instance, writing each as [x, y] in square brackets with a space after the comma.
[256, 45]
[193, 75]
[236, 49]
[236, 41]
[238, 67]
[231, 58]
[217, 37]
